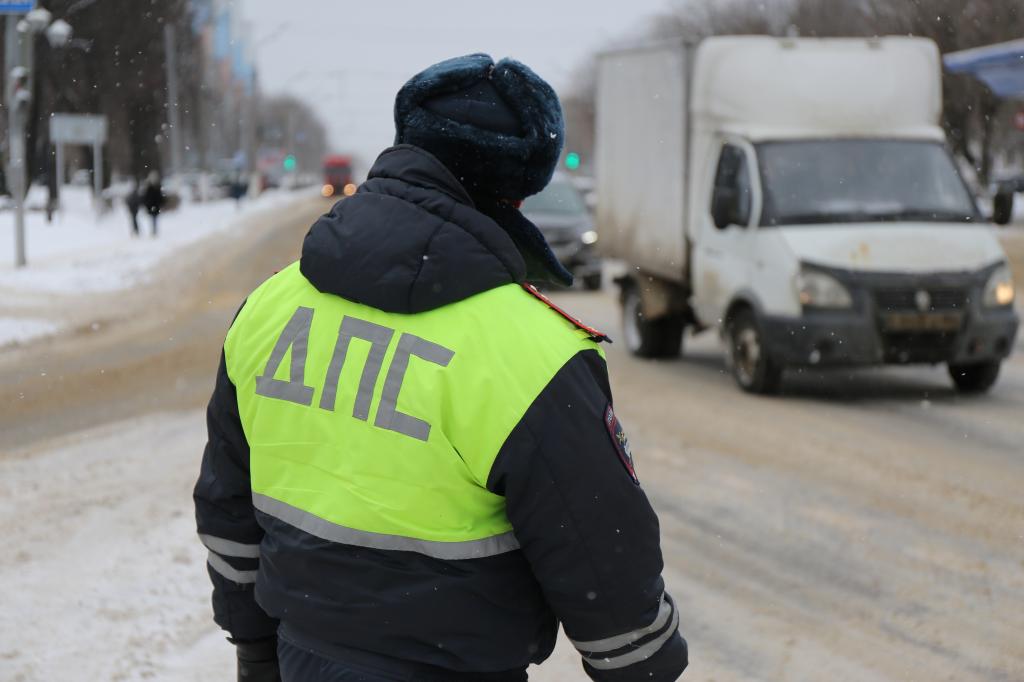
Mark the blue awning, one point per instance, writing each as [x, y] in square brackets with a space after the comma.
[1000, 66]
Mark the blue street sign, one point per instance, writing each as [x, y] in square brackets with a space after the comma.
[1000, 66]
[17, 6]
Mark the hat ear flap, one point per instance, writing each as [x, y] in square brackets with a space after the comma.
[451, 75]
[542, 115]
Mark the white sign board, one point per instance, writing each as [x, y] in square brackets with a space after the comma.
[87, 129]
[78, 129]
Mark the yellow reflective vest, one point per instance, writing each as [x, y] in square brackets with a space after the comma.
[379, 429]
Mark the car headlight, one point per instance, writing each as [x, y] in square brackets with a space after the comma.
[815, 289]
[999, 290]
[588, 237]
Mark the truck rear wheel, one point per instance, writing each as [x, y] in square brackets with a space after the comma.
[661, 338]
[752, 368]
[974, 378]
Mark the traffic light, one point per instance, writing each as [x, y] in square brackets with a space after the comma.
[572, 161]
[289, 163]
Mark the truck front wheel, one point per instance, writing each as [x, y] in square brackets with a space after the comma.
[661, 338]
[974, 378]
[752, 368]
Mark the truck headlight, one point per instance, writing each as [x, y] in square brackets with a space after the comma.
[589, 237]
[815, 289]
[999, 291]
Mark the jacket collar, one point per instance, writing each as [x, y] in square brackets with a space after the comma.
[410, 240]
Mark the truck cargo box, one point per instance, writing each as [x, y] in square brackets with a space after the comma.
[641, 151]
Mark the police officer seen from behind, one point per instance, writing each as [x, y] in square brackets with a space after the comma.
[414, 471]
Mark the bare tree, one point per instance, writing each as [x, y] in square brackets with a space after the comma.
[117, 67]
[578, 109]
[289, 124]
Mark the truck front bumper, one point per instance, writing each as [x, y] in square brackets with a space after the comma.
[852, 338]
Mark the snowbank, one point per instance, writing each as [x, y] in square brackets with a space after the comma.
[103, 577]
[21, 329]
[80, 253]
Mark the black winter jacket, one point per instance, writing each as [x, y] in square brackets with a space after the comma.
[590, 555]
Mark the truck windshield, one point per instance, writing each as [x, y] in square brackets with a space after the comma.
[558, 197]
[843, 181]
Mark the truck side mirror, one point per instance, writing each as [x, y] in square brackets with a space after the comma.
[725, 206]
[1002, 208]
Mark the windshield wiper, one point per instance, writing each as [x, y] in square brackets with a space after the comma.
[823, 217]
[941, 216]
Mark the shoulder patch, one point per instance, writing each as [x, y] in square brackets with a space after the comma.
[595, 335]
[620, 442]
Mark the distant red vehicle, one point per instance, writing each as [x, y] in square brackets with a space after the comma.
[338, 176]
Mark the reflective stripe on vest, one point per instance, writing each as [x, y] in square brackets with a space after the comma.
[380, 429]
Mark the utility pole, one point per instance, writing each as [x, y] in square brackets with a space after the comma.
[173, 113]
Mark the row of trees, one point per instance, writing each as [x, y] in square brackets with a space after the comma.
[976, 122]
[287, 123]
[117, 66]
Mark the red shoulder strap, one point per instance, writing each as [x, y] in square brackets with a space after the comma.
[595, 335]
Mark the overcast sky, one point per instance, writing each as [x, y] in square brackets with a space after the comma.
[348, 59]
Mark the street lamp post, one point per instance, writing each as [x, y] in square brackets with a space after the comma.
[20, 35]
[19, 95]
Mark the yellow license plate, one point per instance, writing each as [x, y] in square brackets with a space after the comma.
[922, 322]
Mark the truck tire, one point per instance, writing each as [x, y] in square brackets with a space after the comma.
[974, 378]
[752, 368]
[1002, 207]
[661, 338]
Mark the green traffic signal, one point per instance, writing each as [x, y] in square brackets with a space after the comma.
[572, 161]
[289, 162]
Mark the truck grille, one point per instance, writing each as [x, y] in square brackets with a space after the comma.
[946, 298]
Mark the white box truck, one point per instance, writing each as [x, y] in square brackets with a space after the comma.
[797, 195]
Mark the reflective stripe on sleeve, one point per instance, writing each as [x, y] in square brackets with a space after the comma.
[327, 530]
[230, 572]
[230, 547]
[599, 646]
[641, 653]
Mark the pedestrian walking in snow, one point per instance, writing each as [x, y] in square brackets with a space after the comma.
[153, 198]
[414, 470]
[134, 201]
[238, 189]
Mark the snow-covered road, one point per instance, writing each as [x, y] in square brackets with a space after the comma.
[105, 578]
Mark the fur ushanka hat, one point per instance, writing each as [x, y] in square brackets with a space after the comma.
[497, 127]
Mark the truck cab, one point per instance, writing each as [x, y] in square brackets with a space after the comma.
[817, 218]
[337, 176]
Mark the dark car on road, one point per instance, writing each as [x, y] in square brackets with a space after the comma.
[562, 217]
